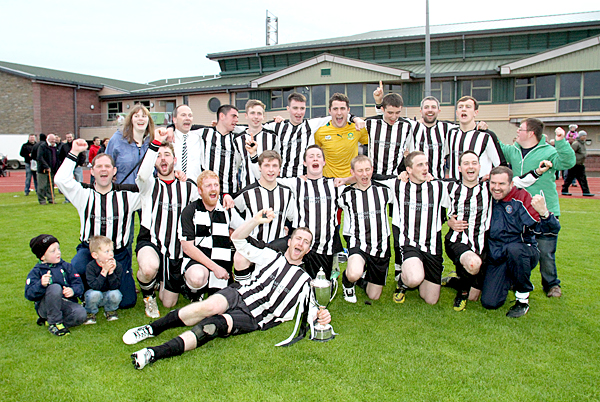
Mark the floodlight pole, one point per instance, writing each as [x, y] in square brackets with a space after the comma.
[427, 52]
[272, 29]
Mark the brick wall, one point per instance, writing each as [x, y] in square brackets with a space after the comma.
[16, 105]
[56, 107]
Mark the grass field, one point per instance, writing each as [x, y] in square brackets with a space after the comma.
[384, 352]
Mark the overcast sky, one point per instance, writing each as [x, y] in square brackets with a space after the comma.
[150, 40]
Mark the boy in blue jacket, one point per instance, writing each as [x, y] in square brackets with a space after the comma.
[54, 287]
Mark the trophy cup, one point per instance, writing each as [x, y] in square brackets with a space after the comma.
[321, 290]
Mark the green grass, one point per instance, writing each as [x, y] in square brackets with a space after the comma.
[384, 352]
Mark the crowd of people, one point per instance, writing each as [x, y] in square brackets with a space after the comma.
[238, 219]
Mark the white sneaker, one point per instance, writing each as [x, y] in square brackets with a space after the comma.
[151, 307]
[138, 334]
[349, 294]
[142, 357]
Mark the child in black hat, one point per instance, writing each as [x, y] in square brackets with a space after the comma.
[54, 286]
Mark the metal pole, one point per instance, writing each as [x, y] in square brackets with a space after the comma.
[427, 52]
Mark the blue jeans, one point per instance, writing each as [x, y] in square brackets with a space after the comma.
[29, 175]
[78, 173]
[109, 300]
[547, 247]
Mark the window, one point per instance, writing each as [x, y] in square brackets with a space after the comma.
[240, 100]
[442, 90]
[579, 92]
[113, 109]
[478, 89]
[325, 72]
[279, 97]
[146, 103]
[542, 87]
[186, 100]
[215, 103]
[318, 101]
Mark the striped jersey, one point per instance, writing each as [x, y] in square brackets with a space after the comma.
[316, 206]
[209, 230]
[255, 197]
[365, 218]
[417, 213]
[221, 156]
[293, 141]
[265, 140]
[387, 144]
[276, 288]
[162, 204]
[483, 143]
[107, 214]
[432, 142]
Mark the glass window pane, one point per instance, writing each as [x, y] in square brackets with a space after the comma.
[355, 94]
[482, 83]
[396, 88]
[286, 92]
[524, 81]
[570, 85]
[337, 89]
[318, 112]
[522, 93]
[545, 86]
[591, 105]
[276, 99]
[370, 89]
[304, 91]
[357, 111]
[482, 95]
[569, 105]
[318, 95]
[466, 88]
[446, 92]
[591, 84]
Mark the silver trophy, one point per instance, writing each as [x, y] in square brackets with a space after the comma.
[321, 297]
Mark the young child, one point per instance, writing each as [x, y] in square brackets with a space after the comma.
[103, 276]
[54, 286]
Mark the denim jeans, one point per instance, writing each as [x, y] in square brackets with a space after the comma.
[547, 247]
[78, 173]
[109, 300]
[30, 175]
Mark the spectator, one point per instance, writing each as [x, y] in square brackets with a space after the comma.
[47, 165]
[578, 171]
[29, 173]
[94, 149]
[104, 145]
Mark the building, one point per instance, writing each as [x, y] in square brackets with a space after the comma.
[546, 67]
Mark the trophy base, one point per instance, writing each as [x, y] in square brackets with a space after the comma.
[324, 334]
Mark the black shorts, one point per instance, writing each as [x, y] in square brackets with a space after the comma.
[376, 268]
[169, 271]
[455, 250]
[432, 264]
[313, 262]
[243, 321]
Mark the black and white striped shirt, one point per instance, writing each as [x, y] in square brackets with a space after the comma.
[255, 197]
[276, 287]
[474, 206]
[294, 140]
[265, 140]
[162, 204]
[107, 214]
[222, 157]
[365, 218]
[209, 230]
[432, 142]
[388, 143]
[481, 142]
[316, 205]
[417, 214]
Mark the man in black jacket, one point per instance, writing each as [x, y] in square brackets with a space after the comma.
[26, 154]
[47, 165]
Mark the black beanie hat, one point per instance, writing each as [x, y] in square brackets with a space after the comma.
[40, 244]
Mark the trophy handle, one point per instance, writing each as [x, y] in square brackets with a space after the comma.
[335, 289]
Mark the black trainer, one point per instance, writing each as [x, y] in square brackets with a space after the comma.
[460, 301]
[518, 310]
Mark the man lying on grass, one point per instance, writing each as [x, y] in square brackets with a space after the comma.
[278, 285]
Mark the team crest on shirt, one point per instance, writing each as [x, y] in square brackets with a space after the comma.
[509, 209]
[328, 137]
[350, 135]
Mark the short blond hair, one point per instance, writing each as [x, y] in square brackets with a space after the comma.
[207, 174]
[97, 242]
